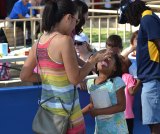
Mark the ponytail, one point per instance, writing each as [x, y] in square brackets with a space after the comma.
[54, 11]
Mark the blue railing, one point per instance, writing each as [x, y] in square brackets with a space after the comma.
[18, 106]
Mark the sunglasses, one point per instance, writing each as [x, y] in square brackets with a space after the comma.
[78, 43]
[77, 20]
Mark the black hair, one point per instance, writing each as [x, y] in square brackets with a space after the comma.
[118, 64]
[134, 10]
[121, 16]
[114, 41]
[82, 9]
[54, 11]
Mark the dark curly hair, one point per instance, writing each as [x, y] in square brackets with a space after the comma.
[134, 11]
[118, 65]
[82, 9]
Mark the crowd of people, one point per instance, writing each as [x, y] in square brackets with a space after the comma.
[64, 57]
[20, 10]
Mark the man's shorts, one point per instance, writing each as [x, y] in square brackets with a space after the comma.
[151, 102]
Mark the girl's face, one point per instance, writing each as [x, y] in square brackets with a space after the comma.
[107, 65]
[135, 41]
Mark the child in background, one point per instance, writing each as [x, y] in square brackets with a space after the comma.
[133, 45]
[130, 54]
[108, 98]
[129, 77]
[114, 42]
[132, 86]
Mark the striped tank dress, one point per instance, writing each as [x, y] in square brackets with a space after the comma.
[56, 83]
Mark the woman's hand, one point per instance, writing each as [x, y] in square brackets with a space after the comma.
[87, 108]
[83, 85]
[101, 55]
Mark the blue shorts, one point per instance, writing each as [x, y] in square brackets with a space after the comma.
[151, 102]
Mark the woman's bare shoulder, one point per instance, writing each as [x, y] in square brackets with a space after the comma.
[62, 40]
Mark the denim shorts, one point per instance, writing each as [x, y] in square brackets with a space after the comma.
[151, 102]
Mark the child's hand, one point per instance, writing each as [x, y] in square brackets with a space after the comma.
[93, 112]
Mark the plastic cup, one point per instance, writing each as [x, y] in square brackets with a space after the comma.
[4, 49]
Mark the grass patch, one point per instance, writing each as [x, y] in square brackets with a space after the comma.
[95, 35]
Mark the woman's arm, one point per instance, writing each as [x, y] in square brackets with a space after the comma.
[74, 73]
[80, 61]
[27, 73]
[119, 107]
[88, 108]
[61, 49]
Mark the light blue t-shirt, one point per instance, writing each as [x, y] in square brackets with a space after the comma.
[19, 8]
[117, 123]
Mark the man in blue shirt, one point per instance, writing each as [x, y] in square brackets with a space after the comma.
[148, 58]
[21, 10]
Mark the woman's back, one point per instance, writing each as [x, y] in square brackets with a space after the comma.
[55, 83]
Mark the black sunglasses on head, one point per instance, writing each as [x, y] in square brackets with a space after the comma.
[78, 43]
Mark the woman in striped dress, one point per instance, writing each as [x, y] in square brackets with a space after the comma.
[57, 60]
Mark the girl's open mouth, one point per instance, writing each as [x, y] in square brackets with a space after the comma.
[104, 63]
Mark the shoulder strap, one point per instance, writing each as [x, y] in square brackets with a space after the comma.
[61, 101]
[37, 60]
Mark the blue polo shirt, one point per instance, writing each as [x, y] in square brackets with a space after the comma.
[19, 8]
[148, 57]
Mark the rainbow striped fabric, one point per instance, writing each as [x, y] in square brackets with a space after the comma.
[55, 83]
